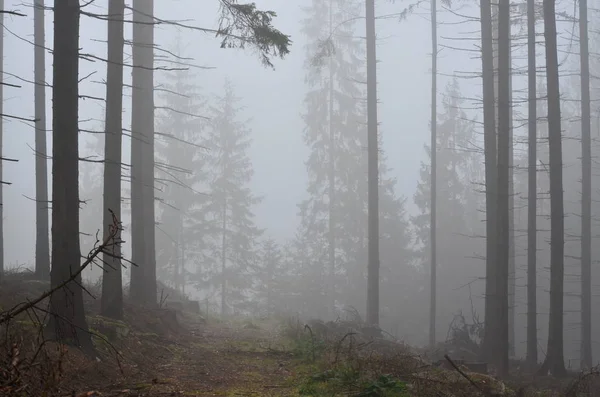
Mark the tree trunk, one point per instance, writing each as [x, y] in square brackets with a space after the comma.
[511, 214]
[433, 188]
[554, 361]
[489, 124]
[373, 173]
[143, 276]
[331, 237]
[532, 191]
[67, 319]
[1, 143]
[586, 193]
[42, 243]
[112, 284]
[504, 143]
[224, 262]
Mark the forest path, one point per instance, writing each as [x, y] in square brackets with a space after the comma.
[236, 358]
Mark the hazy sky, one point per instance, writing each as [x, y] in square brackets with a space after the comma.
[272, 99]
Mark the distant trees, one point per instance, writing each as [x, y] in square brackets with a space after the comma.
[333, 133]
[271, 272]
[181, 172]
[333, 229]
[457, 172]
[223, 222]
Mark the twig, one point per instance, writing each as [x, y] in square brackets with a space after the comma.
[471, 381]
[312, 339]
[15, 311]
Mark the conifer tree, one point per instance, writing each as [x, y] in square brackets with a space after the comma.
[180, 172]
[334, 215]
[458, 168]
[224, 221]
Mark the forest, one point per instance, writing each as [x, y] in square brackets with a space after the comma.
[303, 198]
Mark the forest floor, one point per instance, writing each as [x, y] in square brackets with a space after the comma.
[165, 352]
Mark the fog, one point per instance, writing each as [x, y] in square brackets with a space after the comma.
[273, 105]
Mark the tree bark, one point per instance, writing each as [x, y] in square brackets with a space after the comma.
[67, 319]
[331, 175]
[143, 276]
[373, 173]
[112, 289]
[42, 243]
[554, 361]
[224, 261]
[532, 348]
[433, 188]
[586, 192]
[504, 143]
[1, 143]
[489, 121]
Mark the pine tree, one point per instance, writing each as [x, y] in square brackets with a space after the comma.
[224, 220]
[271, 277]
[457, 171]
[180, 158]
[335, 212]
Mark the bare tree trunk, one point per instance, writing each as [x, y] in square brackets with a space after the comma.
[373, 173]
[502, 254]
[511, 215]
[489, 121]
[586, 192]
[143, 276]
[112, 280]
[42, 243]
[224, 262]
[532, 349]
[554, 361]
[1, 142]
[67, 319]
[433, 188]
[331, 237]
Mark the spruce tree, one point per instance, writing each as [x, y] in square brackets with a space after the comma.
[180, 172]
[335, 212]
[224, 221]
[458, 169]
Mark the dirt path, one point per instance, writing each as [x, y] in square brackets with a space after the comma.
[215, 360]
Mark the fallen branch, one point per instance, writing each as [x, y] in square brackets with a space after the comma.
[15, 311]
[471, 381]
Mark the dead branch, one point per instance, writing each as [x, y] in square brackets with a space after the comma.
[15, 311]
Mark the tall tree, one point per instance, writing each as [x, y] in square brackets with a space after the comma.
[42, 245]
[180, 169]
[554, 361]
[489, 126]
[225, 221]
[586, 191]
[432, 226]
[373, 172]
[532, 339]
[456, 175]
[143, 274]
[271, 274]
[67, 318]
[112, 289]
[504, 143]
[333, 131]
[1, 141]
